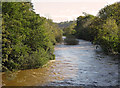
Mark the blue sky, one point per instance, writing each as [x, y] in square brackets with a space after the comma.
[66, 10]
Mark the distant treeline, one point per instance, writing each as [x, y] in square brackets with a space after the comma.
[27, 39]
[103, 29]
[67, 27]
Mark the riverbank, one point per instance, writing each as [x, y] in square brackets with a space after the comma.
[75, 65]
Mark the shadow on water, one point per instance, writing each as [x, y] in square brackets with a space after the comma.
[75, 65]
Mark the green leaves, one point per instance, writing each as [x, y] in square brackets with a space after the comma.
[109, 35]
[27, 38]
[83, 27]
[103, 29]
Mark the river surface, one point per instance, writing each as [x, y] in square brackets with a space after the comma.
[75, 65]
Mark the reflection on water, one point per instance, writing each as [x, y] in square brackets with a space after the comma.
[74, 65]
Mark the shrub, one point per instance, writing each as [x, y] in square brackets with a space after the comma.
[70, 40]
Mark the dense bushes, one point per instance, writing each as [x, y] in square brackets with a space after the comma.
[103, 29]
[110, 30]
[27, 38]
[71, 40]
[82, 28]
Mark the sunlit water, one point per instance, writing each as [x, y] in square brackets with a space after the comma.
[75, 65]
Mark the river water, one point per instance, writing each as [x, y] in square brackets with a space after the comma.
[75, 65]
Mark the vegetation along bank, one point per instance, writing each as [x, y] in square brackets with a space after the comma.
[27, 39]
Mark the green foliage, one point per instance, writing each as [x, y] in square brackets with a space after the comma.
[27, 38]
[103, 29]
[55, 30]
[109, 34]
[71, 40]
[67, 27]
[83, 30]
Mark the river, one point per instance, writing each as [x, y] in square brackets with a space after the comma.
[75, 65]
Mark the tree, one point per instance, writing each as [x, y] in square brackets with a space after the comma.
[109, 36]
[27, 38]
[103, 29]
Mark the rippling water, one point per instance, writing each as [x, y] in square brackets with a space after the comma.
[75, 65]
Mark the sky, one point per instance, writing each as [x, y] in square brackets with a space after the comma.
[67, 10]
